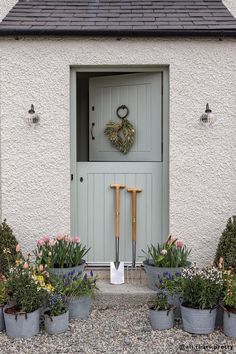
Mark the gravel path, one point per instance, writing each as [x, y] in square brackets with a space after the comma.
[124, 331]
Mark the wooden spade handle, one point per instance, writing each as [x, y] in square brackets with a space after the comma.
[117, 207]
[134, 192]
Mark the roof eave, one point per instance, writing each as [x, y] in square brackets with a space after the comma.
[120, 33]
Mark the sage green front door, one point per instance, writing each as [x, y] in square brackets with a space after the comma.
[142, 167]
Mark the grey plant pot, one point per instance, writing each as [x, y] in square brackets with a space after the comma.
[62, 271]
[18, 326]
[198, 321]
[153, 271]
[161, 320]
[176, 302]
[79, 307]
[229, 324]
[2, 322]
[56, 324]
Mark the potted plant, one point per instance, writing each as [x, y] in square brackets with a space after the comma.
[161, 313]
[27, 291]
[22, 319]
[3, 299]
[56, 316]
[171, 256]
[79, 291]
[201, 290]
[229, 320]
[61, 255]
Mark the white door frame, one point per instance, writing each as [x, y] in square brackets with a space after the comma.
[165, 138]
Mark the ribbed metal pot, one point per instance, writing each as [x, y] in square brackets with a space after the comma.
[62, 271]
[79, 307]
[198, 321]
[161, 320]
[229, 324]
[56, 324]
[21, 325]
[152, 273]
[2, 322]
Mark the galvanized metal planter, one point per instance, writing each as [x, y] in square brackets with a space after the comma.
[161, 320]
[62, 271]
[176, 302]
[229, 324]
[79, 307]
[22, 325]
[56, 324]
[2, 322]
[152, 273]
[198, 321]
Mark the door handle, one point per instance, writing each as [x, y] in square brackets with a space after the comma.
[91, 131]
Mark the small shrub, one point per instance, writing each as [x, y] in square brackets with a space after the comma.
[160, 303]
[227, 245]
[8, 243]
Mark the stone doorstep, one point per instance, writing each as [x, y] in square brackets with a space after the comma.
[133, 293]
[137, 276]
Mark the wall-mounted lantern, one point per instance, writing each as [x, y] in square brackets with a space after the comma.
[207, 118]
[33, 118]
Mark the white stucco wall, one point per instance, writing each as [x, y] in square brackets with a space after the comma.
[231, 5]
[36, 162]
[5, 7]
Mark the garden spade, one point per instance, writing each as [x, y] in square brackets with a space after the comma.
[117, 267]
[134, 192]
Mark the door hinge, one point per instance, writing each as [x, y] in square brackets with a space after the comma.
[71, 177]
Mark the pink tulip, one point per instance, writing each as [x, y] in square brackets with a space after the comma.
[220, 265]
[179, 243]
[221, 260]
[211, 263]
[41, 242]
[41, 268]
[26, 265]
[52, 242]
[18, 248]
[77, 239]
[60, 237]
[46, 238]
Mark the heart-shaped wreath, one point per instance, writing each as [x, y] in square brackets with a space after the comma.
[114, 132]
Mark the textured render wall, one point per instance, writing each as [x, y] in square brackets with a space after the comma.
[231, 4]
[5, 7]
[36, 162]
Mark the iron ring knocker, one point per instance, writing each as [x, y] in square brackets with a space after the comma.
[123, 107]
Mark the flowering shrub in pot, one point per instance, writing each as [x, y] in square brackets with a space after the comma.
[161, 313]
[28, 291]
[201, 290]
[79, 292]
[3, 299]
[229, 320]
[56, 316]
[61, 254]
[171, 256]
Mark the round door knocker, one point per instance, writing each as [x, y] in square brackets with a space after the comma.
[124, 108]
[121, 134]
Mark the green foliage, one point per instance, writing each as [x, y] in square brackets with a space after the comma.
[60, 252]
[25, 290]
[74, 285]
[227, 245]
[8, 244]
[3, 292]
[56, 305]
[169, 254]
[199, 288]
[230, 289]
[160, 303]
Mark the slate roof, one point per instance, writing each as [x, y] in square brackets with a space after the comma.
[113, 17]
